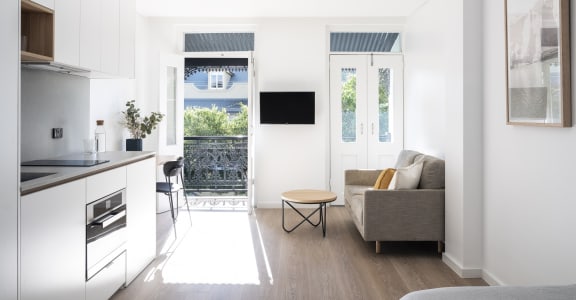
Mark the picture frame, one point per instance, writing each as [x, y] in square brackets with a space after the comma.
[538, 80]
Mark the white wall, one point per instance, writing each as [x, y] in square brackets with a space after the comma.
[290, 54]
[443, 116]
[9, 164]
[529, 198]
[108, 99]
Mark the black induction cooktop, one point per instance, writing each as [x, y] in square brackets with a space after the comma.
[64, 162]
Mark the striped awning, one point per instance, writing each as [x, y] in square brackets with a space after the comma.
[365, 42]
[219, 42]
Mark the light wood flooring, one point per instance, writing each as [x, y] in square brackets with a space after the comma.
[231, 255]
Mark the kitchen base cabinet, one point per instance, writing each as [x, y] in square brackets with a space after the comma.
[106, 282]
[52, 243]
[141, 221]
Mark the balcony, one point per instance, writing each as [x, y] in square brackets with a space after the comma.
[216, 166]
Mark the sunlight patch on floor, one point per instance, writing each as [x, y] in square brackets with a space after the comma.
[217, 249]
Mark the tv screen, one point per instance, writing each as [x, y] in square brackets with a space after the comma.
[287, 107]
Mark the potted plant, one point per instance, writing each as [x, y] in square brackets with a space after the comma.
[138, 126]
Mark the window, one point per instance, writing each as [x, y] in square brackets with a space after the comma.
[216, 80]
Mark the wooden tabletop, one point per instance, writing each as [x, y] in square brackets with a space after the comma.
[308, 196]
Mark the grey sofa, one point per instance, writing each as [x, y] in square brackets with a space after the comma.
[398, 215]
[561, 292]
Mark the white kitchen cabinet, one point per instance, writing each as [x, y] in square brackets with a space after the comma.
[110, 24]
[46, 3]
[141, 221]
[10, 150]
[67, 32]
[104, 284]
[127, 38]
[52, 247]
[105, 183]
[91, 34]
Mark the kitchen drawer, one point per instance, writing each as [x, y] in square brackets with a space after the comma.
[105, 183]
[111, 278]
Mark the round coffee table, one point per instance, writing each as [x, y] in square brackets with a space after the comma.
[319, 197]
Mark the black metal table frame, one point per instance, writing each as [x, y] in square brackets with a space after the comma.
[322, 220]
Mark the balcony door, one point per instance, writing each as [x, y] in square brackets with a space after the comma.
[217, 118]
[171, 104]
[366, 103]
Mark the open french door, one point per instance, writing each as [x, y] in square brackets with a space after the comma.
[171, 104]
[249, 92]
[366, 108]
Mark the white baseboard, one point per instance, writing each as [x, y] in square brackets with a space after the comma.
[459, 270]
[271, 204]
[491, 279]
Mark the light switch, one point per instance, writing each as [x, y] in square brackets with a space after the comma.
[57, 133]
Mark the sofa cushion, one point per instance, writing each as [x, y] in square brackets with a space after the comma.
[406, 158]
[384, 179]
[351, 190]
[432, 176]
[407, 178]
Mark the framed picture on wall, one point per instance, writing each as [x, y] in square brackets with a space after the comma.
[538, 63]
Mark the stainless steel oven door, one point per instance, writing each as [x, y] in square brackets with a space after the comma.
[105, 231]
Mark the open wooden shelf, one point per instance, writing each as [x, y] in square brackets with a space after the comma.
[37, 32]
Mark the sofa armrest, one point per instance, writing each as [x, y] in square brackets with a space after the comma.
[361, 177]
[404, 215]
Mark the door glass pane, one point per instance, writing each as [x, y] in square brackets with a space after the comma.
[348, 80]
[171, 106]
[384, 77]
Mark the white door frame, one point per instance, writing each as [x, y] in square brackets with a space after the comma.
[249, 55]
[366, 151]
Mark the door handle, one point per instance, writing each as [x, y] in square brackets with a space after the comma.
[372, 128]
[361, 128]
[109, 219]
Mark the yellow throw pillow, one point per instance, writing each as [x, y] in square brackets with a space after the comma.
[384, 179]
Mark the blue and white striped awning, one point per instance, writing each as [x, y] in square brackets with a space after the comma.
[219, 42]
[364, 42]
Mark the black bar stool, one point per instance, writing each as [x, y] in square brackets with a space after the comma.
[173, 169]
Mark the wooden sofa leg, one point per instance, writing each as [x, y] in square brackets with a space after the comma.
[378, 247]
[440, 246]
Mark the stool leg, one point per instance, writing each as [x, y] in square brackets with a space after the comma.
[184, 190]
[171, 207]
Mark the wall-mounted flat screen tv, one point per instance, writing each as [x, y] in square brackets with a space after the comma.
[287, 107]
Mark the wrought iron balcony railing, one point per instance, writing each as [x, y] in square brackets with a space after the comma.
[216, 163]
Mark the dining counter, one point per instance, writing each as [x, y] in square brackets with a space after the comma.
[63, 174]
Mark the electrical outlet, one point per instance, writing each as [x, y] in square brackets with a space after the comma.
[57, 133]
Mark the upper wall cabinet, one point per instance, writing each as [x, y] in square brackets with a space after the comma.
[110, 21]
[91, 34]
[37, 32]
[67, 32]
[107, 36]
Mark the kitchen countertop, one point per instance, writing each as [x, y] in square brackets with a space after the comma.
[67, 174]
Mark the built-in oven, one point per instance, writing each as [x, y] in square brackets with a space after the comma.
[105, 231]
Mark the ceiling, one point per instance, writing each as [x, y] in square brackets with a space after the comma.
[275, 8]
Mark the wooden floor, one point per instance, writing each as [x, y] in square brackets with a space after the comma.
[231, 255]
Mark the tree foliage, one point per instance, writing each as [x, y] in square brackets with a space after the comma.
[215, 122]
